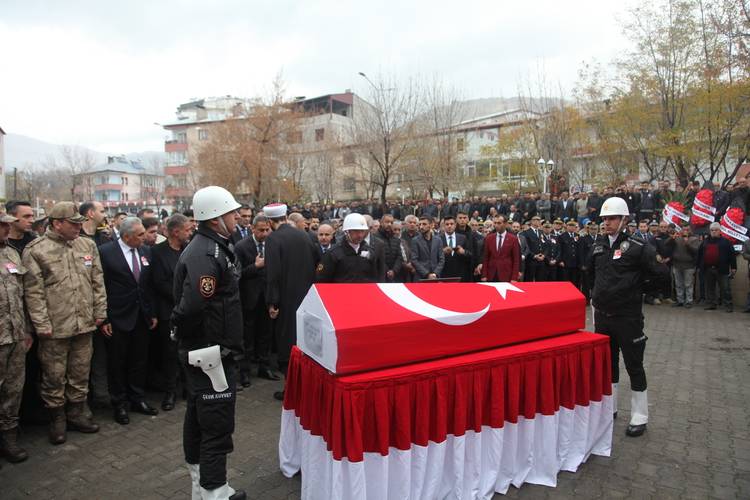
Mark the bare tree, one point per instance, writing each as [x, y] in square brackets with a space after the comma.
[385, 130]
[247, 152]
[73, 161]
[439, 145]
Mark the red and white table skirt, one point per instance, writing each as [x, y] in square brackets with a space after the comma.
[463, 427]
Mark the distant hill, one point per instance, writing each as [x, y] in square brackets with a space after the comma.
[25, 152]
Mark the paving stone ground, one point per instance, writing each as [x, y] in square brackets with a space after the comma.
[697, 444]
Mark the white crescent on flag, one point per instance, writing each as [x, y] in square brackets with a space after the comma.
[401, 295]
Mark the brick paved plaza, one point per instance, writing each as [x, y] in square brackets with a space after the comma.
[697, 444]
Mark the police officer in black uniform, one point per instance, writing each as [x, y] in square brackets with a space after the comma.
[352, 260]
[536, 269]
[569, 258]
[551, 251]
[619, 265]
[208, 313]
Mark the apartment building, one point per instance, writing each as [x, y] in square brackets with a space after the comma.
[122, 185]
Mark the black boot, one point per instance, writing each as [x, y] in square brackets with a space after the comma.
[167, 404]
[635, 430]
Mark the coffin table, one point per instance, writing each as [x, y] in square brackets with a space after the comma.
[462, 427]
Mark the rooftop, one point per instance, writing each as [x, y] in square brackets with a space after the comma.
[120, 164]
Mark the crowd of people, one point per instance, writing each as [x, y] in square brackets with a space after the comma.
[92, 301]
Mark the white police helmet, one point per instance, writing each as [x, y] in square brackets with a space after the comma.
[213, 201]
[614, 206]
[355, 222]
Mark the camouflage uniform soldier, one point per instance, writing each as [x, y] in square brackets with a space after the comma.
[66, 300]
[14, 342]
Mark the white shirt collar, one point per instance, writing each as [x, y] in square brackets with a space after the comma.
[125, 247]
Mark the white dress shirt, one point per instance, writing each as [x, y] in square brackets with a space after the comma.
[126, 251]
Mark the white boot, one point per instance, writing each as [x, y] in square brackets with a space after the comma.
[220, 493]
[639, 407]
[195, 478]
[614, 400]
[638, 413]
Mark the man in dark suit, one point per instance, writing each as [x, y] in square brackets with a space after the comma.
[564, 208]
[501, 255]
[458, 258]
[324, 240]
[126, 264]
[535, 266]
[257, 331]
[244, 224]
[164, 257]
[569, 258]
[514, 215]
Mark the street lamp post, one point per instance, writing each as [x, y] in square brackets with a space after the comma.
[545, 169]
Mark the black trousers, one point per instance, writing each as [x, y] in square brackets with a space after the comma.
[586, 284]
[127, 362]
[257, 334]
[209, 422]
[169, 361]
[626, 335]
[535, 270]
[570, 274]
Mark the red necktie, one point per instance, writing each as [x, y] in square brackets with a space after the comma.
[136, 268]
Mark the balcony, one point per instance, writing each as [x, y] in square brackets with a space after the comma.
[172, 146]
[175, 170]
[107, 187]
[173, 192]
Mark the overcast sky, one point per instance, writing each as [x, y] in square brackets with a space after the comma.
[99, 73]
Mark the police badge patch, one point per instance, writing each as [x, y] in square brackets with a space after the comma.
[207, 286]
[624, 246]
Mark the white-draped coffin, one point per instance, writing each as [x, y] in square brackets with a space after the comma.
[459, 428]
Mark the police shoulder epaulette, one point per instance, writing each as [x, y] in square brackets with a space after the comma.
[636, 240]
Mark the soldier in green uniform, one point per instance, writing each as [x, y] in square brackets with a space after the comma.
[14, 342]
[66, 300]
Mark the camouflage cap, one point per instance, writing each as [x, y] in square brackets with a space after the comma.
[7, 219]
[66, 210]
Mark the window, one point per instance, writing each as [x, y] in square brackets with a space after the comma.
[177, 158]
[460, 146]
[350, 184]
[294, 137]
[181, 137]
[319, 134]
[202, 134]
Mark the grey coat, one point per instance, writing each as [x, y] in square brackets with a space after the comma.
[427, 256]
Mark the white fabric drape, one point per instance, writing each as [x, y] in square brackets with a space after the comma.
[472, 466]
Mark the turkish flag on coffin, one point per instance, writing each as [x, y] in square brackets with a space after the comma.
[358, 327]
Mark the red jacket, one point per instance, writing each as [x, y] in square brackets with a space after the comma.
[502, 265]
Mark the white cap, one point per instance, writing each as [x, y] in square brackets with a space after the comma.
[275, 210]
